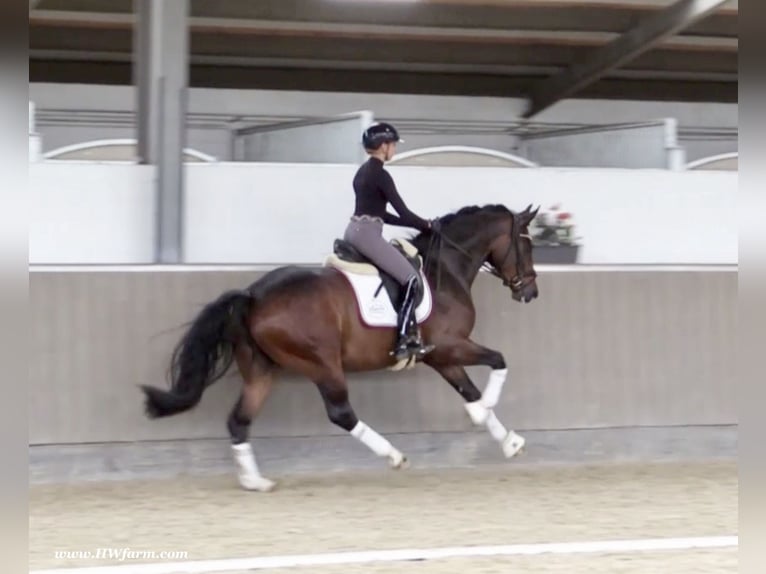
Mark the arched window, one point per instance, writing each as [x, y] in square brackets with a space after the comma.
[123, 150]
[721, 162]
[460, 156]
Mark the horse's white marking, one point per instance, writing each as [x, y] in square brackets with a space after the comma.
[491, 394]
[366, 557]
[247, 469]
[377, 444]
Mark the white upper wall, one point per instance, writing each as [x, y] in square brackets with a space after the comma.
[240, 212]
[86, 212]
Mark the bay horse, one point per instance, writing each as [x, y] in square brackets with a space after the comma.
[306, 321]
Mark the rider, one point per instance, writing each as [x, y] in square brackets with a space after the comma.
[374, 188]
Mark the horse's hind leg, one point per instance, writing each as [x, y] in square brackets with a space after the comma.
[258, 381]
[312, 348]
[335, 396]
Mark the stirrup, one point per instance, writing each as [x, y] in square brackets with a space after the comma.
[402, 350]
[411, 345]
[418, 348]
[422, 348]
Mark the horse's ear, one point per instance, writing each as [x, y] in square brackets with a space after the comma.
[528, 215]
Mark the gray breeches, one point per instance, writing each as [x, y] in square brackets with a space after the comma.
[366, 235]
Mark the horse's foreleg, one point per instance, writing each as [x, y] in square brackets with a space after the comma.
[257, 385]
[480, 406]
[465, 353]
[481, 415]
[335, 396]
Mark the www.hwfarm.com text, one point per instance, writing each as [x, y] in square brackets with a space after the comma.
[121, 554]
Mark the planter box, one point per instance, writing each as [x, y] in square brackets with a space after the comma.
[559, 255]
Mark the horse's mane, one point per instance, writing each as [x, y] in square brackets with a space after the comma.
[472, 209]
[454, 219]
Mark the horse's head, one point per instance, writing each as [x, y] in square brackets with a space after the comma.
[491, 236]
[511, 255]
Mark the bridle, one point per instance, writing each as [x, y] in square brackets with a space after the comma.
[516, 282]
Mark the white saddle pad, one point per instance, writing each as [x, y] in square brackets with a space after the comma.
[377, 310]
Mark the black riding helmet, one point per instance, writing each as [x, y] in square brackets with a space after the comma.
[378, 134]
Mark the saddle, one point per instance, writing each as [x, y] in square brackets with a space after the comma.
[349, 259]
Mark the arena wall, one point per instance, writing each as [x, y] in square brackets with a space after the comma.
[601, 348]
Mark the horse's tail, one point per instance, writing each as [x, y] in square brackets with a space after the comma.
[203, 355]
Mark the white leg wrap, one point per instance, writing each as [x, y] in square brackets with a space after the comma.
[481, 413]
[249, 476]
[491, 394]
[512, 444]
[243, 454]
[496, 428]
[378, 444]
[477, 411]
[372, 439]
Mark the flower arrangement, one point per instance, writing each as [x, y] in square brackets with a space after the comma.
[553, 228]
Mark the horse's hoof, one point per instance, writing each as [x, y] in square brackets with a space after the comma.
[257, 483]
[513, 444]
[399, 461]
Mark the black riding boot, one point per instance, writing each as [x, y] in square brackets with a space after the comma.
[409, 342]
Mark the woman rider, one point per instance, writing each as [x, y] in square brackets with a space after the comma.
[374, 188]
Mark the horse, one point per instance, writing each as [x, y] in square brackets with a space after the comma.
[307, 321]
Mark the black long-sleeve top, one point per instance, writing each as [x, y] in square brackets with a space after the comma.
[374, 188]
